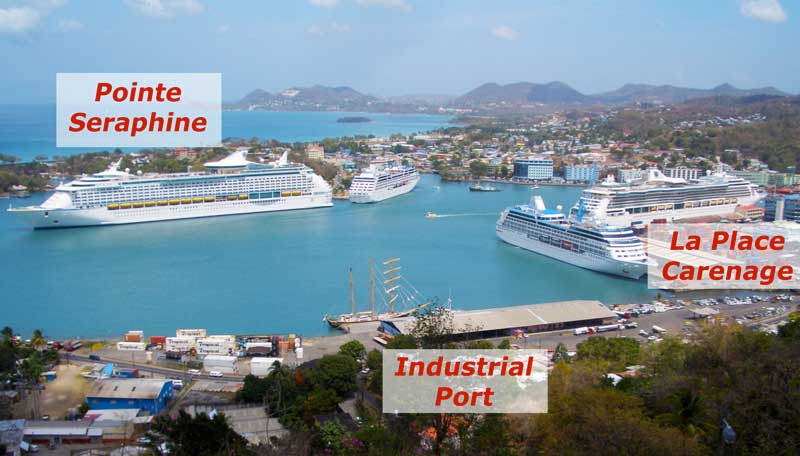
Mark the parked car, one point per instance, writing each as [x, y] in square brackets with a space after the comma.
[94, 357]
[177, 383]
[193, 372]
[215, 374]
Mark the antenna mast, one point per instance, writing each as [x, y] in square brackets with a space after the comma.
[390, 281]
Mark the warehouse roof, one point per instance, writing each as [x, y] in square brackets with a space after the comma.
[131, 388]
[500, 318]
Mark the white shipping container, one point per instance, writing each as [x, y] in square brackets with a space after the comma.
[299, 352]
[262, 366]
[215, 346]
[196, 333]
[138, 333]
[224, 364]
[257, 344]
[130, 346]
[180, 344]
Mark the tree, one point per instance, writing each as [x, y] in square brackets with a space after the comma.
[402, 342]
[332, 438]
[478, 169]
[374, 359]
[561, 353]
[37, 339]
[337, 372]
[504, 344]
[201, 435]
[353, 349]
[617, 351]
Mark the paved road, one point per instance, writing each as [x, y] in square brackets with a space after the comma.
[154, 369]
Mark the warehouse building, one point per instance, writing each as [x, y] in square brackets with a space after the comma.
[134, 393]
[504, 321]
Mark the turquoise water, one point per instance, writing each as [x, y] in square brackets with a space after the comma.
[280, 272]
[28, 131]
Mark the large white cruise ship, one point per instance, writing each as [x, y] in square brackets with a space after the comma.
[659, 197]
[602, 248]
[382, 180]
[232, 185]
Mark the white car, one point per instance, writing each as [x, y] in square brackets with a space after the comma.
[177, 384]
[193, 372]
[215, 374]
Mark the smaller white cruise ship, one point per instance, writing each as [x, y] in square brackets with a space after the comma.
[602, 248]
[382, 180]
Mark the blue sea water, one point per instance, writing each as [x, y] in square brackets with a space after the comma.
[29, 131]
[280, 272]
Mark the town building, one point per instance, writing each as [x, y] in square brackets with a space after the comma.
[751, 212]
[533, 168]
[682, 172]
[11, 436]
[581, 173]
[315, 152]
[135, 393]
[782, 207]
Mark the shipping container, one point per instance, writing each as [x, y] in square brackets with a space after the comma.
[196, 333]
[132, 337]
[605, 328]
[73, 345]
[224, 364]
[579, 331]
[130, 346]
[128, 373]
[262, 366]
[180, 344]
[160, 340]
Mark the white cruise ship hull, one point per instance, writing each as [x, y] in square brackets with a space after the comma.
[375, 196]
[43, 218]
[670, 215]
[606, 265]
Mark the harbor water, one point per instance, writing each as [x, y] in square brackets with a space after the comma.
[281, 272]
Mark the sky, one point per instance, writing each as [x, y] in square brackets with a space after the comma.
[398, 47]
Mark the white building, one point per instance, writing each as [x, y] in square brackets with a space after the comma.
[315, 152]
[534, 168]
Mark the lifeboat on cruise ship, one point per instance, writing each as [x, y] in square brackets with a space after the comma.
[186, 201]
[286, 193]
[243, 196]
[138, 204]
[125, 206]
[174, 202]
[113, 207]
[231, 197]
[162, 202]
[209, 199]
[297, 193]
[149, 203]
[197, 199]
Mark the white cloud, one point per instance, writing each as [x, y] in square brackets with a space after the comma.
[324, 3]
[392, 4]
[16, 21]
[316, 30]
[223, 28]
[763, 10]
[164, 9]
[505, 32]
[340, 28]
[69, 25]
[334, 27]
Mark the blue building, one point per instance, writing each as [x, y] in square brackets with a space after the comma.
[780, 207]
[131, 393]
[581, 173]
[533, 168]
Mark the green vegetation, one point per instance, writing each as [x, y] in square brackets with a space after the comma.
[201, 435]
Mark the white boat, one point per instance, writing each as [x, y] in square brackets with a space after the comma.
[381, 181]
[230, 186]
[659, 197]
[602, 248]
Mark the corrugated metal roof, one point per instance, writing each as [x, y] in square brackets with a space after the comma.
[500, 318]
[133, 388]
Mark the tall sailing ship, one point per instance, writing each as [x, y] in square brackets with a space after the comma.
[399, 300]
[230, 186]
[603, 248]
[381, 181]
[659, 197]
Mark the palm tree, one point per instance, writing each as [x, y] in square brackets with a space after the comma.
[37, 339]
[688, 412]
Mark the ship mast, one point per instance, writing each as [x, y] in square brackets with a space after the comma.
[352, 295]
[390, 281]
[371, 287]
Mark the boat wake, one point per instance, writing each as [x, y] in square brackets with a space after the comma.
[433, 215]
